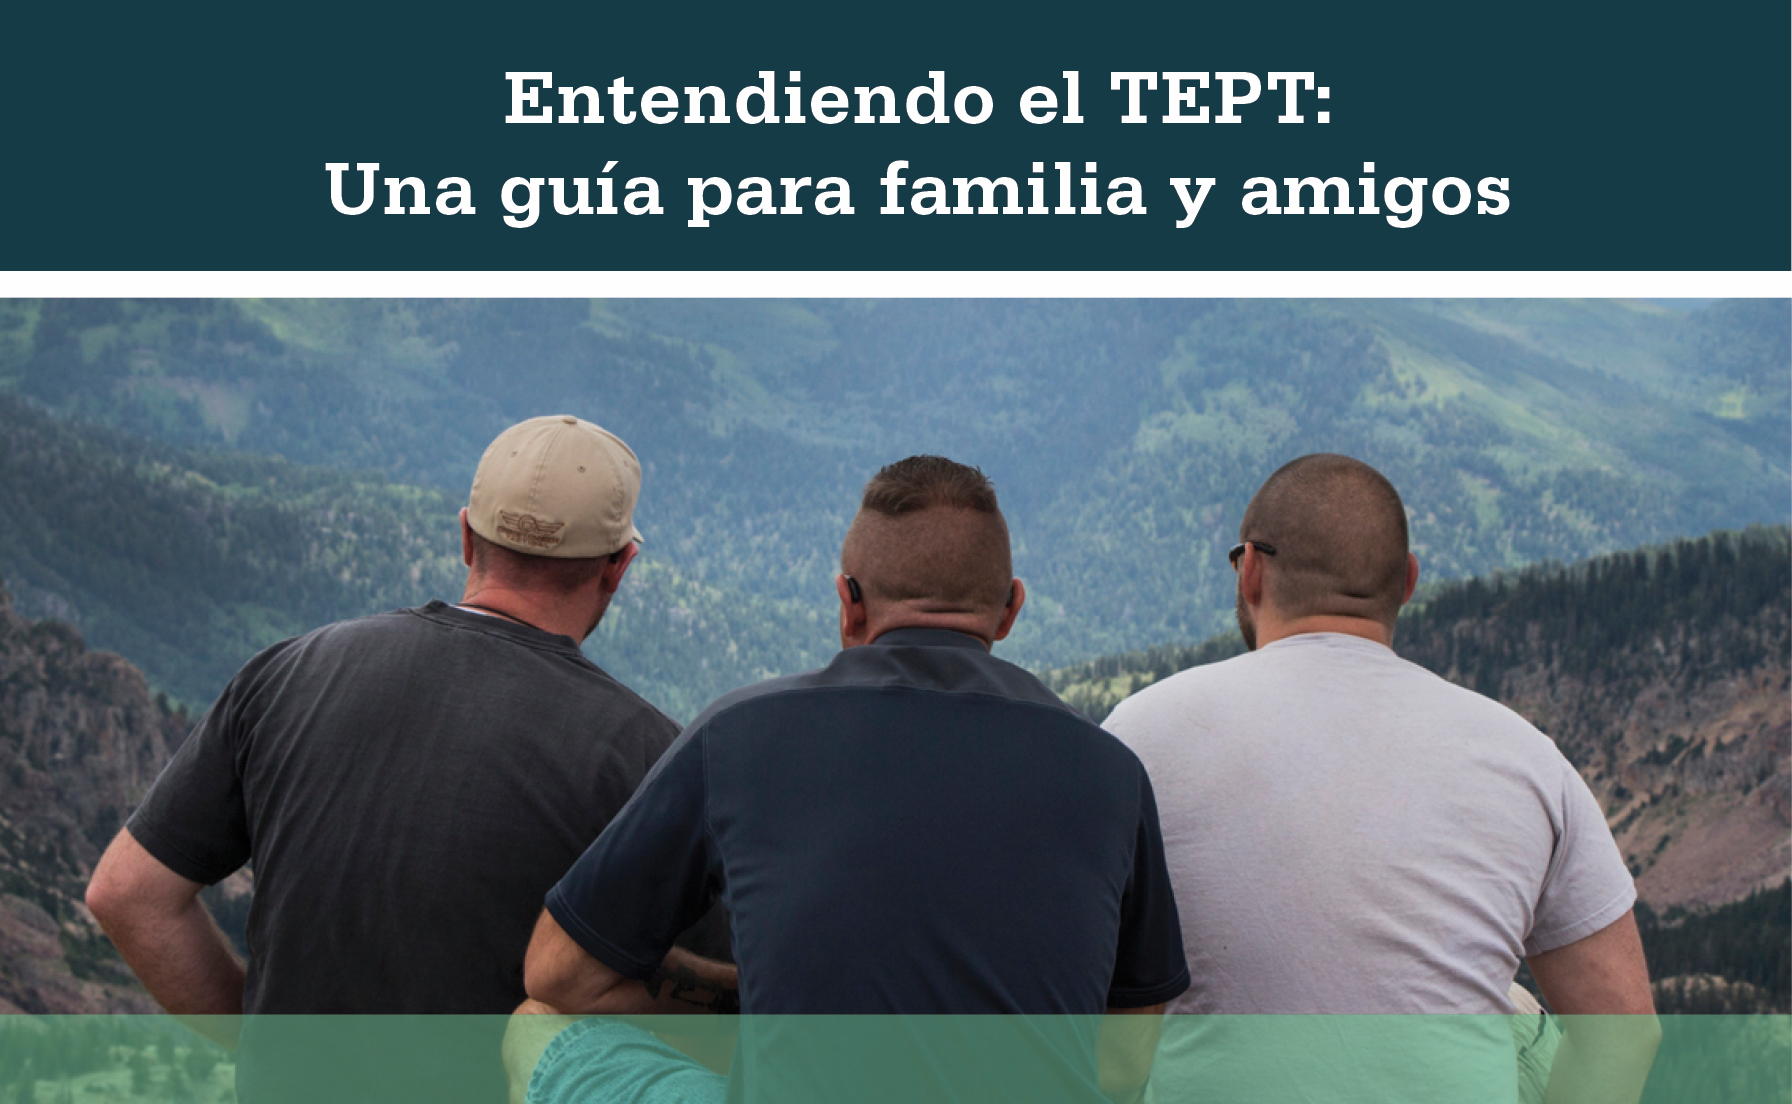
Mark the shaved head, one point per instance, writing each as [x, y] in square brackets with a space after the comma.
[930, 535]
[1339, 533]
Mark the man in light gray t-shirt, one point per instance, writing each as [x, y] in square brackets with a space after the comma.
[1349, 833]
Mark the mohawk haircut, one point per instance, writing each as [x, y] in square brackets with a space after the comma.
[918, 482]
[929, 531]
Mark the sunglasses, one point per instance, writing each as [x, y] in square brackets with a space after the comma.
[1238, 550]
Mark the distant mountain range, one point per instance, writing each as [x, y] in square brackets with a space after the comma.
[1124, 436]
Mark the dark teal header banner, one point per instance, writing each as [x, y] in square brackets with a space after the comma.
[852, 137]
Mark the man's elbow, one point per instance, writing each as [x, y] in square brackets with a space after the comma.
[568, 994]
[109, 896]
[543, 983]
[99, 901]
[559, 973]
[548, 979]
[130, 886]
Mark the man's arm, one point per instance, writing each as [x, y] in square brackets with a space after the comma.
[1600, 986]
[155, 918]
[1124, 1047]
[563, 976]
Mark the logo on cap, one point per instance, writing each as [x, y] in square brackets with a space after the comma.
[529, 529]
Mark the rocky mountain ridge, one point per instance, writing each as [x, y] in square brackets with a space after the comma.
[81, 739]
[1665, 676]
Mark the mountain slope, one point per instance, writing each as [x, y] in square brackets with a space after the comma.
[1125, 436]
[1504, 455]
[80, 741]
[190, 562]
[1664, 677]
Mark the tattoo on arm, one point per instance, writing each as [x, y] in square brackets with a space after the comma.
[681, 983]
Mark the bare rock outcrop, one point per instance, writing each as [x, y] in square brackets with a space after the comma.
[81, 739]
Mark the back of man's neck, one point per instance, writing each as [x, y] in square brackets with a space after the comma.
[1325, 623]
[969, 624]
[524, 609]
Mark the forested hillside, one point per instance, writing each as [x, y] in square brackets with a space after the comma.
[1663, 676]
[1125, 437]
[189, 562]
[1735, 958]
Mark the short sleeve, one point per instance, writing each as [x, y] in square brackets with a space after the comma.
[193, 820]
[1150, 967]
[646, 878]
[1587, 887]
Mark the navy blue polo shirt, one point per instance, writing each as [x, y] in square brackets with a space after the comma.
[916, 828]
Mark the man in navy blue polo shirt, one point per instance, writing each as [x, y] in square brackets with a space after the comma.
[917, 828]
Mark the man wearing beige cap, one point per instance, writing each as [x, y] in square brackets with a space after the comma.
[408, 785]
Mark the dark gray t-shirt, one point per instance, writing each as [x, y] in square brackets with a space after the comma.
[409, 786]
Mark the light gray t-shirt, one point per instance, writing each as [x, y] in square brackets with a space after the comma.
[1347, 832]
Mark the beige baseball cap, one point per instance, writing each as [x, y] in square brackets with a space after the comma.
[556, 486]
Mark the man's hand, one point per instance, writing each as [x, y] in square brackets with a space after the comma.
[701, 983]
[167, 937]
[562, 975]
[1600, 988]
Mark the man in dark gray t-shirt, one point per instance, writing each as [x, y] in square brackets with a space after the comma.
[409, 785]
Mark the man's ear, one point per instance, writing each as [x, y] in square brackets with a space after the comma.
[617, 568]
[466, 538]
[1412, 577]
[1017, 597]
[1250, 576]
[853, 616]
